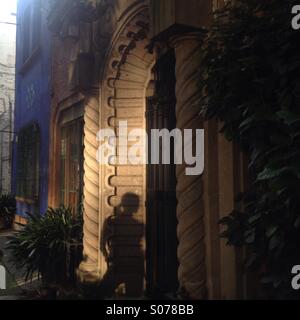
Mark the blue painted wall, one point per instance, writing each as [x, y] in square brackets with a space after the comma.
[33, 101]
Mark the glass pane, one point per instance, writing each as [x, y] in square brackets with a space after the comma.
[71, 164]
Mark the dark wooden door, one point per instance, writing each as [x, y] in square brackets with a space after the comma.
[162, 264]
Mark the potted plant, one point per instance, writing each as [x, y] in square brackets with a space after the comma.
[7, 211]
[49, 245]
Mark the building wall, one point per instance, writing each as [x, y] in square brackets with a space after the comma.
[7, 97]
[120, 42]
[66, 94]
[33, 100]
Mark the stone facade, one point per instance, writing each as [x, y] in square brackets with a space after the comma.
[107, 65]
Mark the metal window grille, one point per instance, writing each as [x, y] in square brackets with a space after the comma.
[28, 163]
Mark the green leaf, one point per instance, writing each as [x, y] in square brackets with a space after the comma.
[274, 242]
[271, 230]
[269, 173]
[254, 218]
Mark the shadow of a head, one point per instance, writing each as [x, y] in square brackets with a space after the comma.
[130, 203]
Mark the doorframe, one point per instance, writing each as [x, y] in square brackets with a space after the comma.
[55, 138]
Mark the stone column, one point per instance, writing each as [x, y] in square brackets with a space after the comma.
[89, 268]
[190, 209]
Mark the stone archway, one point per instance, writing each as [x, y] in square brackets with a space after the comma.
[122, 97]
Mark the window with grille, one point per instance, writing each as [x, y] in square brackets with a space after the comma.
[28, 163]
[71, 164]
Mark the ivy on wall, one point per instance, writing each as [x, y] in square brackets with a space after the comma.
[252, 85]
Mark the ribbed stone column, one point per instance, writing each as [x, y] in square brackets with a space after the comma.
[190, 210]
[88, 270]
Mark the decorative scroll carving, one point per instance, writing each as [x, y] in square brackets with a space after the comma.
[89, 268]
[123, 87]
[191, 249]
[123, 98]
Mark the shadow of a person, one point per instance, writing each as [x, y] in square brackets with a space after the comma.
[121, 246]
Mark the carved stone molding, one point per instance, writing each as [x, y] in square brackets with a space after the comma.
[190, 210]
[125, 81]
[57, 109]
[89, 269]
[122, 97]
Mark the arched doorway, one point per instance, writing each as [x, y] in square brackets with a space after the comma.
[162, 263]
[123, 186]
[123, 245]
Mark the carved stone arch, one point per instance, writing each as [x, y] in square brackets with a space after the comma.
[124, 81]
[123, 92]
